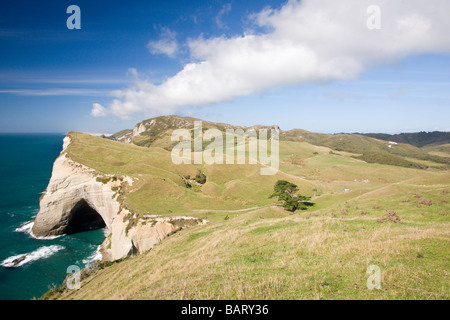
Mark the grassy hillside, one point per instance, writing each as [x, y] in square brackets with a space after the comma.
[365, 214]
[371, 150]
[418, 139]
[322, 254]
[157, 132]
[159, 187]
[442, 150]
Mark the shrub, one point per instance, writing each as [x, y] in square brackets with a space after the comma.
[426, 202]
[390, 216]
[200, 177]
[103, 180]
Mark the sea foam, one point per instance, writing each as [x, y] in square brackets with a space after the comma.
[21, 259]
[27, 228]
[95, 256]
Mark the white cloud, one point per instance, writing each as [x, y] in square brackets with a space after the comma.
[310, 41]
[98, 110]
[226, 9]
[166, 45]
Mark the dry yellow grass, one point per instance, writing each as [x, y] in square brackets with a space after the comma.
[282, 258]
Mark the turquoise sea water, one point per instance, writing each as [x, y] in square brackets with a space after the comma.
[26, 162]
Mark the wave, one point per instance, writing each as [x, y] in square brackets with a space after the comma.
[27, 228]
[95, 256]
[21, 259]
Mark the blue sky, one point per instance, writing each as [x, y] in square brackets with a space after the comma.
[51, 76]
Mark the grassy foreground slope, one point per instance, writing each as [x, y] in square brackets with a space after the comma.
[364, 214]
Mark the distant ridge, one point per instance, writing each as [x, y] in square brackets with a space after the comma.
[157, 131]
[403, 150]
[418, 139]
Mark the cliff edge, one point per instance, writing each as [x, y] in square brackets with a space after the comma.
[75, 200]
[79, 198]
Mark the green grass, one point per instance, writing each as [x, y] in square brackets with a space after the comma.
[158, 187]
[371, 150]
[195, 236]
[265, 252]
[274, 227]
[284, 258]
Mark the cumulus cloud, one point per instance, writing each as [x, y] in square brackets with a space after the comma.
[99, 111]
[308, 41]
[167, 45]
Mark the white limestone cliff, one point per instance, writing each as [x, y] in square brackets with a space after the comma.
[73, 187]
[79, 198]
[130, 235]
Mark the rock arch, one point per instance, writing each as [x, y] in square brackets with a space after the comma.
[74, 201]
[83, 217]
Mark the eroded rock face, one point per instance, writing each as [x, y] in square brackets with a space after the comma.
[74, 198]
[131, 236]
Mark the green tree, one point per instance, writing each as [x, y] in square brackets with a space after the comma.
[285, 191]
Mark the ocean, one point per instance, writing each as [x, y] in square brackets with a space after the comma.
[26, 162]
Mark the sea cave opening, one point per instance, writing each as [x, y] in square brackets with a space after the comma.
[84, 218]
